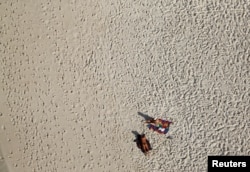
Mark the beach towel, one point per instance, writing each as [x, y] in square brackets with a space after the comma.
[159, 130]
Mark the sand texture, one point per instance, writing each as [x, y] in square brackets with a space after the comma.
[75, 74]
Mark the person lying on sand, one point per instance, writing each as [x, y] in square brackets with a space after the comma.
[143, 143]
[159, 130]
[159, 125]
[159, 122]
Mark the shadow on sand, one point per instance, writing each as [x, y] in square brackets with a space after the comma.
[135, 133]
[137, 138]
[145, 116]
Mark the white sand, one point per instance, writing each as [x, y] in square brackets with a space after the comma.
[74, 74]
[3, 165]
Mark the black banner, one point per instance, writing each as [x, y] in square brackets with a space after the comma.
[229, 163]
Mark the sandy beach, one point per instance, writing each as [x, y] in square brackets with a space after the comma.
[75, 74]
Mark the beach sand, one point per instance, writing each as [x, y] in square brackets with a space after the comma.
[3, 165]
[75, 74]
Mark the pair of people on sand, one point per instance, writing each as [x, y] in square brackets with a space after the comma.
[159, 125]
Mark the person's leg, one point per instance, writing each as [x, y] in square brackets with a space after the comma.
[166, 130]
[152, 127]
[150, 148]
